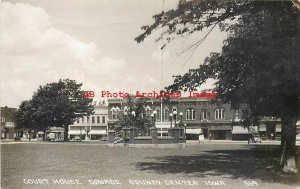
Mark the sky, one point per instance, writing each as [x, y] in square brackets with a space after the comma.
[92, 42]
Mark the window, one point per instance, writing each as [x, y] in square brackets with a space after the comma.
[236, 116]
[77, 120]
[166, 114]
[98, 119]
[93, 119]
[82, 119]
[190, 114]
[204, 114]
[103, 119]
[114, 112]
[157, 115]
[2, 119]
[220, 113]
[88, 119]
[126, 109]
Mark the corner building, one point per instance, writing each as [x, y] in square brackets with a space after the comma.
[197, 115]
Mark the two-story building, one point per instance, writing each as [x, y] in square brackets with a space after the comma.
[91, 127]
[197, 115]
[7, 124]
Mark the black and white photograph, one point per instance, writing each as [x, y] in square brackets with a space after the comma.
[150, 94]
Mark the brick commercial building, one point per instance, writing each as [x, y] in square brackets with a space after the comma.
[198, 116]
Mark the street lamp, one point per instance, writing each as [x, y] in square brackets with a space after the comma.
[125, 115]
[209, 131]
[175, 113]
[181, 114]
[133, 114]
[171, 116]
[154, 116]
[185, 132]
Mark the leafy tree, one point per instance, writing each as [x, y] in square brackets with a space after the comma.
[23, 117]
[138, 119]
[55, 104]
[258, 69]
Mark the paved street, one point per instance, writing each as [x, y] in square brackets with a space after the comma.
[83, 165]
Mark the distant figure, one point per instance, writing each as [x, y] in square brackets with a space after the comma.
[210, 137]
[201, 139]
[272, 136]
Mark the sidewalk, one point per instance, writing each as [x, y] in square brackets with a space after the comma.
[206, 141]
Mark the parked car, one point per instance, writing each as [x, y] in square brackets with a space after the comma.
[118, 140]
[77, 138]
[254, 139]
[51, 137]
[104, 139]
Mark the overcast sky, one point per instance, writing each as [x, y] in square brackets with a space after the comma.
[92, 42]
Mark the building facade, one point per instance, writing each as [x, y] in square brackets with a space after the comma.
[197, 115]
[7, 124]
[91, 127]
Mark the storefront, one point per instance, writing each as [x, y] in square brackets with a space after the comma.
[97, 134]
[222, 132]
[243, 133]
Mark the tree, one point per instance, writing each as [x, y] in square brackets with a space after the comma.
[22, 117]
[258, 68]
[138, 120]
[55, 104]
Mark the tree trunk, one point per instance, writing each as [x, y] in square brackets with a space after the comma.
[288, 144]
[66, 133]
[45, 137]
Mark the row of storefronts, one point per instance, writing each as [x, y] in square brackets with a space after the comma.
[196, 115]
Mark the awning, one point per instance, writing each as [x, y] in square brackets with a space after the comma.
[193, 131]
[220, 128]
[162, 131]
[77, 132]
[97, 132]
[9, 124]
[163, 125]
[262, 127]
[243, 130]
[239, 130]
[278, 127]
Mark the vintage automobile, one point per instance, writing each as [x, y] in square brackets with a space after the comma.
[77, 138]
[254, 139]
[118, 140]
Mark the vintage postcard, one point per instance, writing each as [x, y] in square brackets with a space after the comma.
[150, 94]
